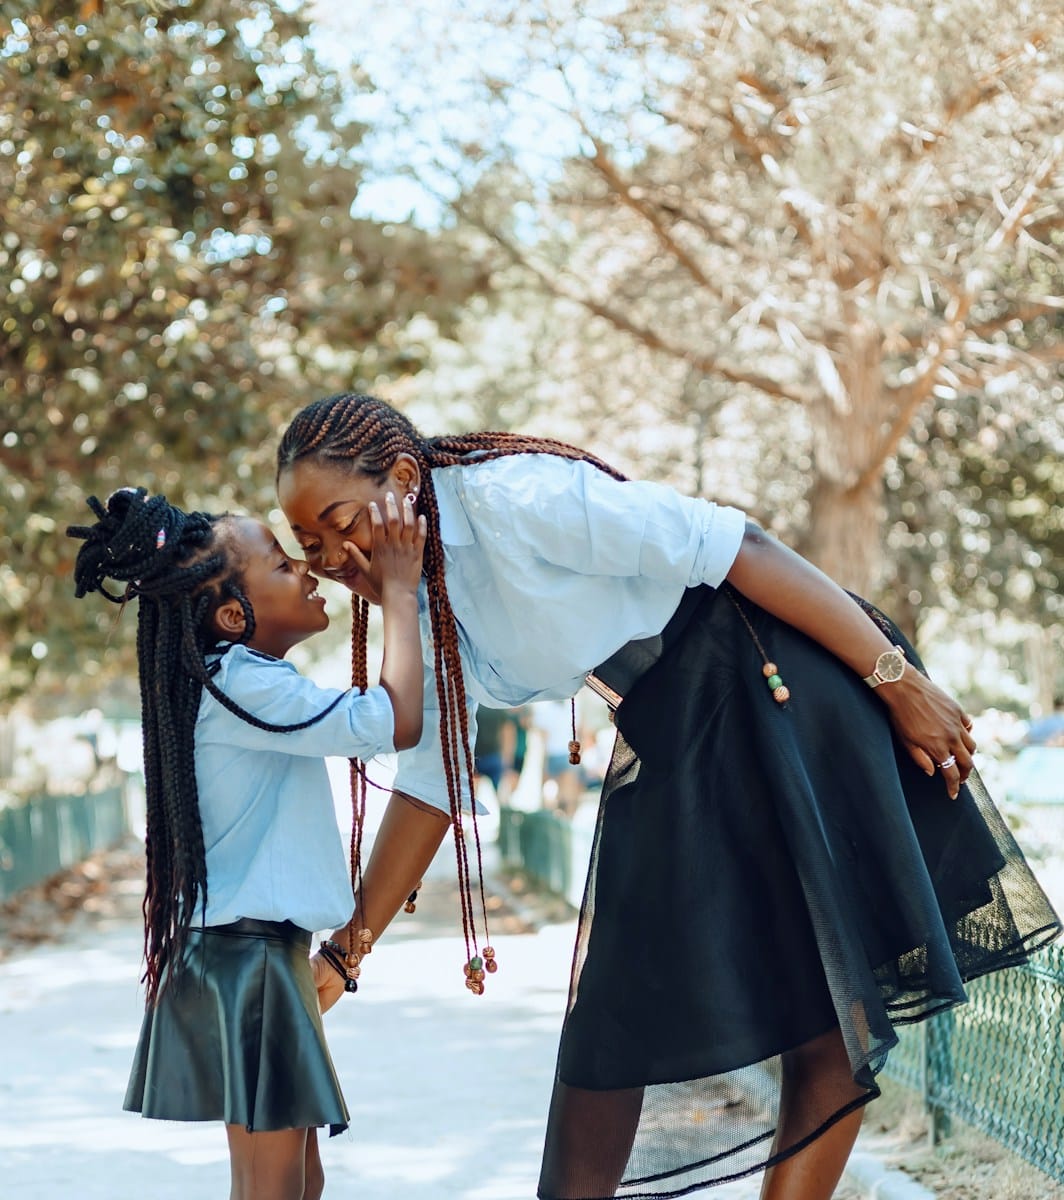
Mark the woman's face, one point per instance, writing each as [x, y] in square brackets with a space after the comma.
[328, 506]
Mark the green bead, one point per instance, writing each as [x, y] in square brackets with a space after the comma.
[475, 963]
[774, 681]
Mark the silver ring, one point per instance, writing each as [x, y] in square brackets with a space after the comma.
[949, 762]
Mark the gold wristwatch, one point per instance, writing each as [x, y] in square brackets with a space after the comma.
[890, 667]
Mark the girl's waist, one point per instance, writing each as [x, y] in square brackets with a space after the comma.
[251, 927]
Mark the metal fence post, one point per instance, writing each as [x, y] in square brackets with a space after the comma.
[938, 1075]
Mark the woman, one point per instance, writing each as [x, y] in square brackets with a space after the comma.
[778, 874]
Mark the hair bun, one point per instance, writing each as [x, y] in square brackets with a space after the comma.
[136, 537]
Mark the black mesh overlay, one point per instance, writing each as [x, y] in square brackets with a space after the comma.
[772, 889]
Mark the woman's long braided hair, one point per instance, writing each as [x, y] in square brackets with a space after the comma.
[366, 436]
[180, 567]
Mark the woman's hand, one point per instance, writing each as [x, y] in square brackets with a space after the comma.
[935, 729]
[933, 726]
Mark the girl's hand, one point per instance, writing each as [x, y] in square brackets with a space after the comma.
[398, 545]
[933, 726]
[327, 981]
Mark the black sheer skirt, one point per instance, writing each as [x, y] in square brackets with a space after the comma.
[762, 877]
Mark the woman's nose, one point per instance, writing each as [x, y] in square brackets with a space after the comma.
[334, 557]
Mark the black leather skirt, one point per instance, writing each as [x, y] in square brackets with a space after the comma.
[236, 1036]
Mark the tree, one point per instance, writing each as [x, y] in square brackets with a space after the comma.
[179, 270]
[831, 222]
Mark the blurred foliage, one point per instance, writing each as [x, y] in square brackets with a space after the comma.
[179, 271]
[805, 257]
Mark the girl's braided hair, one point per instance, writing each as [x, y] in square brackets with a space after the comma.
[366, 436]
[181, 567]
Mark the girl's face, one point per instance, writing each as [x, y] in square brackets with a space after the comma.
[328, 506]
[283, 593]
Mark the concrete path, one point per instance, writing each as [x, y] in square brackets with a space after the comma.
[448, 1092]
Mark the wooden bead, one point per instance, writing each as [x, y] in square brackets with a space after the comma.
[409, 906]
[781, 694]
[491, 966]
[768, 669]
[488, 951]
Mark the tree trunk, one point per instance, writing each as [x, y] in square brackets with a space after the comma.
[845, 535]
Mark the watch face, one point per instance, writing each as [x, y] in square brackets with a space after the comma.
[890, 665]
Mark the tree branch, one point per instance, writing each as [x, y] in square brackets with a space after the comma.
[647, 337]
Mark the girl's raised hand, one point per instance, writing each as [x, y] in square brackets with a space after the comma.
[398, 544]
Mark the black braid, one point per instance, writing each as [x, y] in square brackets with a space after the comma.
[365, 435]
[180, 567]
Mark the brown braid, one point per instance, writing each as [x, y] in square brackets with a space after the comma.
[366, 435]
[357, 771]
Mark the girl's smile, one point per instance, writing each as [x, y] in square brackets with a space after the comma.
[283, 593]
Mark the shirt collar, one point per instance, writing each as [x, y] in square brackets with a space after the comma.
[455, 529]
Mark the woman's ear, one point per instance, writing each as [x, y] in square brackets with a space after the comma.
[406, 474]
[230, 621]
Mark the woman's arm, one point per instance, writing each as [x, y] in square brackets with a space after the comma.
[405, 845]
[932, 724]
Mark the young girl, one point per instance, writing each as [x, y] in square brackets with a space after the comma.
[786, 862]
[244, 856]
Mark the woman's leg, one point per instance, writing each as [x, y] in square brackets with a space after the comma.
[266, 1166]
[812, 1072]
[589, 1139]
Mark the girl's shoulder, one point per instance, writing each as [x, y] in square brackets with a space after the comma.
[241, 660]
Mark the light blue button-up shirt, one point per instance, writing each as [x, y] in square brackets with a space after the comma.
[551, 567]
[274, 850]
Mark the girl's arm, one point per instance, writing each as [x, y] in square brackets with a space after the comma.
[932, 725]
[395, 564]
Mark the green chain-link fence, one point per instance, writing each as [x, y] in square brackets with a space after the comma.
[48, 833]
[995, 1062]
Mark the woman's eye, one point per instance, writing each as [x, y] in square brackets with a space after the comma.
[350, 524]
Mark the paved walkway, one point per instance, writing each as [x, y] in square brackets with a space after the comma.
[448, 1092]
